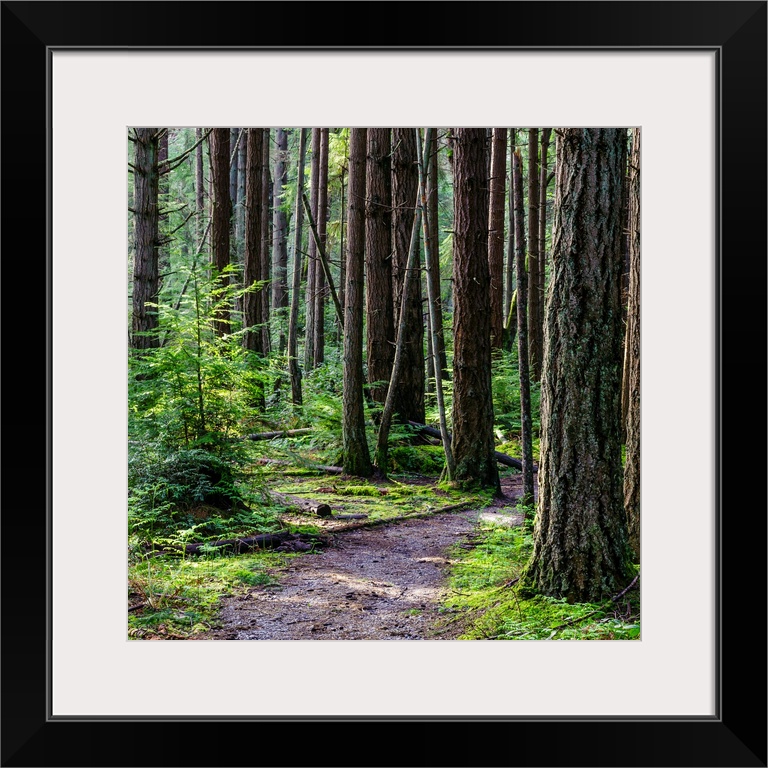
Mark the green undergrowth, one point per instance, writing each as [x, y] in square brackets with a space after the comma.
[379, 500]
[180, 596]
[484, 597]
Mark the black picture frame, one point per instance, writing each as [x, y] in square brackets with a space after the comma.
[736, 736]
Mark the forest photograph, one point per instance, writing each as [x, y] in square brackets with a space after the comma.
[383, 383]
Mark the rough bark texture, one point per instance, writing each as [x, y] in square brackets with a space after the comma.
[473, 444]
[409, 397]
[510, 318]
[239, 212]
[222, 211]
[199, 185]
[632, 466]
[380, 326]
[266, 241]
[293, 322]
[280, 236]
[542, 234]
[312, 258]
[252, 312]
[146, 279]
[496, 233]
[356, 456]
[580, 536]
[534, 289]
[430, 153]
[522, 332]
[321, 287]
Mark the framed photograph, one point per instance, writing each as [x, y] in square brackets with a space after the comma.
[693, 76]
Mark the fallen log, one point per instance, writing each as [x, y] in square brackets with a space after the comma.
[318, 467]
[283, 433]
[401, 518]
[319, 508]
[251, 543]
[502, 458]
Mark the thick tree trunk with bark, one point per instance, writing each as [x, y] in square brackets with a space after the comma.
[220, 221]
[409, 394]
[266, 241]
[580, 550]
[432, 211]
[380, 326]
[280, 237]
[252, 311]
[496, 233]
[632, 466]
[510, 319]
[542, 234]
[356, 456]
[534, 289]
[473, 444]
[321, 288]
[524, 370]
[146, 277]
[312, 259]
[293, 322]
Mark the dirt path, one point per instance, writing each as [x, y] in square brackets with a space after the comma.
[382, 583]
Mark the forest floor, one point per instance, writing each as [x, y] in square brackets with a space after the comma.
[381, 583]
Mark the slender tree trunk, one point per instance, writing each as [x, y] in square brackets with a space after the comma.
[312, 266]
[356, 456]
[220, 218]
[234, 134]
[199, 185]
[240, 209]
[280, 235]
[293, 359]
[581, 551]
[252, 312]
[163, 254]
[534, 291]
[432, 214]
[266, 241]
[510, 318]
[473, 443]
[146, 277]
[435, 322]
[321, 290]
[542, 234]
[380, 330]
[632, 467]
[342, 248]
[526, 431]
[409, 393]
[496, 234]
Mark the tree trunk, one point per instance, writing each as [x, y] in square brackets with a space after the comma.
[524, 370]
[234, 134]
[632, 466]
[252, 312]
[293, 322]
[496, 234]
[409, 393]
[580, 550]
[199, 185]
[542, 234]
[473, 444]
[163, 254]
[432, 212]
[534, 289]
[356, 456]
[510, 318]
[433, 297]
[321, 289]
[314, 191]
[280, 235]
[378, 262]
[240, 209]
[146, 277]
[220, 226]
[266, 241]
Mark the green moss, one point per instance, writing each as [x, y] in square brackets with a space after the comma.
[485, 597]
